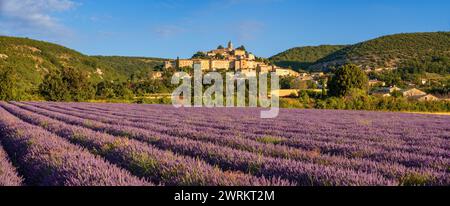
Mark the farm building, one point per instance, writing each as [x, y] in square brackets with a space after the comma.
[427, 97]
[413, 93]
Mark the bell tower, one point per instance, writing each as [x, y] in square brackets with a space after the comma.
[230, 46]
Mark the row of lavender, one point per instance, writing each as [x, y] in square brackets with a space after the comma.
[237, 148]
[434, 168]
[330, 123]
[346, 145]
[407, 137]
[229, 159]
[45, 159]
[8, 174]
[140, 159]
[411, 134]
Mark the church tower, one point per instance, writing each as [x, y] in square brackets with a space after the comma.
[230, 46]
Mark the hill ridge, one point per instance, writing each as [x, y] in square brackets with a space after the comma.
[33, 59]
[387, 51]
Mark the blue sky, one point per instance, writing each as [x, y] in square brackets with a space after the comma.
[171, 28]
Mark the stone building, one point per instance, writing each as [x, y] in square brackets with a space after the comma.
[413, 93]
[427, 97]
[385, 91]
[228, 59]
[287, 72]
[419, 95]
[220, 59]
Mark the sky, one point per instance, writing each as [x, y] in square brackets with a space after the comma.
[179, 28]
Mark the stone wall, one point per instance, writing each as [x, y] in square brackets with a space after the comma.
[221, 64]
[238, 52]
[207, 64]
[287, 72]
[264, 68]
[185, 63]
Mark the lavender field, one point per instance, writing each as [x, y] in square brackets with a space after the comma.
[72, 144]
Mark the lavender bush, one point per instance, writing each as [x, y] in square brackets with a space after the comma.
[141, 159]
[231, 146]
[8, 174]
[46, 159]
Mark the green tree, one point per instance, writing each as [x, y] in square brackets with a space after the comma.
[9, 90]
[105, 90]
[122, 91]
[66, 85]
[199, 55]
[78, 84]
[396, 94]
[242, 47]
[287, 82]
[324, 82]
[53, 88]
[346, 78]
[219, 56]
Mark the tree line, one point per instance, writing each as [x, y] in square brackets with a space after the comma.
[347, 89]
[69, 84]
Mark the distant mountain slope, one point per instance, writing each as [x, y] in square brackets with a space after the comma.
[390, 51]
[33, 59]
[130, 65]
[385, 52]
[302, 57]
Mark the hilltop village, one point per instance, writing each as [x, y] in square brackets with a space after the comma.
[246, 63]
[229, 59]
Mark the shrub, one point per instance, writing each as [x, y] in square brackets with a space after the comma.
[346, 78]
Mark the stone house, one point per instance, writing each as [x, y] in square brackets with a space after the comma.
[413, 93]
[427, 97]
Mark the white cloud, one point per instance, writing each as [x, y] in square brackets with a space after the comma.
[33, 16]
